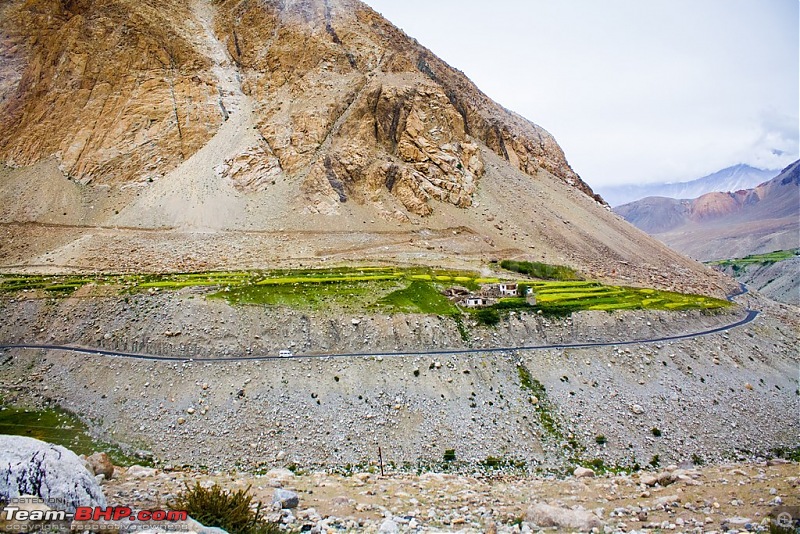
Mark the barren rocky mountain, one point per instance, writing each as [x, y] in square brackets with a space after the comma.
[190, 136]
[200, 134]
[725, 225]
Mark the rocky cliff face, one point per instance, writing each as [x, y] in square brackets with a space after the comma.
[345, 103]
[116, 91]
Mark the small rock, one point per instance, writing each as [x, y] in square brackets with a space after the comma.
[583, 472]
[388, 527]
[137, 471]
[287, 499]
[638, 409]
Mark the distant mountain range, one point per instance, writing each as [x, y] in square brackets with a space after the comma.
[722, 225]
[733, 178]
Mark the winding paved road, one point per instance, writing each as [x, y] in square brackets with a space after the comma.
[751, 314]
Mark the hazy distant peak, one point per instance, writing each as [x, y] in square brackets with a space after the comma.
[734, 178]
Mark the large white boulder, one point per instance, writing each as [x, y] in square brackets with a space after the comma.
[55, 474]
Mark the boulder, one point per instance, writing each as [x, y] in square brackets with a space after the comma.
[648, 479]
[53, 473]
[545, 516]
[286, 498]
[101, 464]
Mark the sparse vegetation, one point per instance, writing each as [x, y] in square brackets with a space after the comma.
[655, 461]
[449, 455]
[493, 463]
[792, 454]
[600, 467]
[228, 510]
[542, 405]
[60, 427]
[656, 432]
[600, 439]
[542, 271]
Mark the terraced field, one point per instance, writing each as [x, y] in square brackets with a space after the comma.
[376, 289]
[566, 297]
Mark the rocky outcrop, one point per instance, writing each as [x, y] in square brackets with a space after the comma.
[253, 170]
[408, 141]
[370, 111]
[116, 90]
[51, 472]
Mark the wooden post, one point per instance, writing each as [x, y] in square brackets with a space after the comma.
[380, 459]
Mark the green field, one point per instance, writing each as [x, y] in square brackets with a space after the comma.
[761, 259]
[562, 298]
[376, 289]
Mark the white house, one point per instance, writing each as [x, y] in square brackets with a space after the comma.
[508, 289]
[475, 302]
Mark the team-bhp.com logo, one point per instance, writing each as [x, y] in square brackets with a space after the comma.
[19, 510]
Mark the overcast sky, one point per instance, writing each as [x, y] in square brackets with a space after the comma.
[633, 90]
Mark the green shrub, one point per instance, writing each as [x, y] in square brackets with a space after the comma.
[656, 432]
[230, 511]
[488, 316]
[655, 461]
[601, 439]
[450, 455]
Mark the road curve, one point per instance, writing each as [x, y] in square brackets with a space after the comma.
[751, 315]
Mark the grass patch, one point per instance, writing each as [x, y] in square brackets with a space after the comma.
[419, 297]
[543, 271]
[59, 427]
[770, 257]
